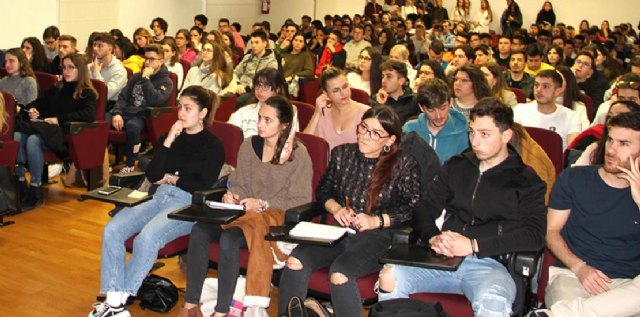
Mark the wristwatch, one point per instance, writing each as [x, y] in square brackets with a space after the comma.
[264, 205]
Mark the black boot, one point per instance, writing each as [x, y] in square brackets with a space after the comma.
[22, 189]
[33, 198]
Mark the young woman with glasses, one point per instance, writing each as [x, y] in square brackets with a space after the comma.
[368, 76]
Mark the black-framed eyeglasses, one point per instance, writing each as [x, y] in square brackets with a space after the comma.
[373, 134]
[628, 84]
[364, 58]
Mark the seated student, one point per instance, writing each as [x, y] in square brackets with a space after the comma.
[367, 76]
[462, 55]
[499, 89]
[469, 86]
[183, 42]
[50, 37]
[587, 141]
[535, 54]
[151, 87]
[627, 88]
[428, 69]
[267, 83]
[589, 79]
[66, 45]
[107, 68]
[383, 187]
[126, 53]
[259, 58]
[395, 91]
[296, 60]
[593, 231]
[516, 77]
[544, 113]
[571, 97]
[20, 80]
[333, 53]
[171, 59]
[211, 71]
[273, 174]
[141, 38]
[34, 50]
[188, 158]
[503, 213]
[72, 99]
[400, 52]
[445, 129]
[337, 115]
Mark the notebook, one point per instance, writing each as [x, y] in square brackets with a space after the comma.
[206, 214]
[414, 255]
[318, 232]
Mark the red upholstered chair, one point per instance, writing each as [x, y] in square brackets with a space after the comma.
[588, 103]
[520, 96]
[185, 69]
[309, 89]
[551, 143]
[129, 73]
[547, 260]
[3, 72]
[360, 96]
[45, 82]
[9, 149]
[231, 137]
[305, 112]
[226, 108]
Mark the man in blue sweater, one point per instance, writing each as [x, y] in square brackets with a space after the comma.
[445, 129]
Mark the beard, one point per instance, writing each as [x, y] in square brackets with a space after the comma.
[612, 162]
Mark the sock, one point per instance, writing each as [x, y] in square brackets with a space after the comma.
[114, 299]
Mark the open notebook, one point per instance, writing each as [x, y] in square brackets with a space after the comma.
[318, 232]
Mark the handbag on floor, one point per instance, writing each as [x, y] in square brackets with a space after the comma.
[406, 307]
[8, 191]
[157, 293]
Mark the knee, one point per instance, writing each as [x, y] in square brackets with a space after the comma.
[132, 128]
[338, 278]
[294, 264]
[387, 279]
[492, 301]
[33, 142]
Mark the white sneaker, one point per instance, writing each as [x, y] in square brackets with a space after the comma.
[104, 310]
[55, 170]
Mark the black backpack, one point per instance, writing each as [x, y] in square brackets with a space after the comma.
[157, 293]
[406, 307]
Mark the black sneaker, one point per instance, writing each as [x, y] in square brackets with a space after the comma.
[33, 198]
[538, 313]
[105, 310]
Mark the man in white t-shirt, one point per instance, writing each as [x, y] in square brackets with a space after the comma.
[544, 113]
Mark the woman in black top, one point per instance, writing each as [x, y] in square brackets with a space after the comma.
[546, 14]
[370, 186]
[187, 159]
[72, 99]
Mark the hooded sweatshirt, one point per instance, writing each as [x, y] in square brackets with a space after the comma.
[452, 139]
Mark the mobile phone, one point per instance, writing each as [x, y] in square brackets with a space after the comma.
[109, 190]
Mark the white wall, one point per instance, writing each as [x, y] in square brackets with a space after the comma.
[20, 20]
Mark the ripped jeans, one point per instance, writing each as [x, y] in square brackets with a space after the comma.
[485, 282]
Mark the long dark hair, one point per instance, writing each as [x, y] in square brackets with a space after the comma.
[597, 157]
[571, 92]
[284, 109]
[391, 41]
[375, 74]
[290, 48]
[84, 80]
[386, 163]
[38, 57]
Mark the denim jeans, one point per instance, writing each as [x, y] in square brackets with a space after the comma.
[485, 282]
[133, 127]
[150, 219]
[354, 256]
[30, 151]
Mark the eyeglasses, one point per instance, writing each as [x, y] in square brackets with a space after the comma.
[628, 84]
[49, 42]
[364, 58]
[583, 63]
[207, 50]
[151, 59]
[373, 134]
[425, 72]
[262, 86]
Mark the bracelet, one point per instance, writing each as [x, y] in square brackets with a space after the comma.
[381, 222]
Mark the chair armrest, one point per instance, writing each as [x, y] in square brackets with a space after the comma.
[303, 212]
[154, 112]
[129, 180]
[200, 196]
[75, 128]
[524, 263]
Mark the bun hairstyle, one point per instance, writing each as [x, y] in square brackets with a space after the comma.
[205, 99]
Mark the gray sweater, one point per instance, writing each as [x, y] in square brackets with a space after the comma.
[24, 89]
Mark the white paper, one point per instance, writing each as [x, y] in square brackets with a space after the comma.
[137, 194]
[312, 230]
[219, 205]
